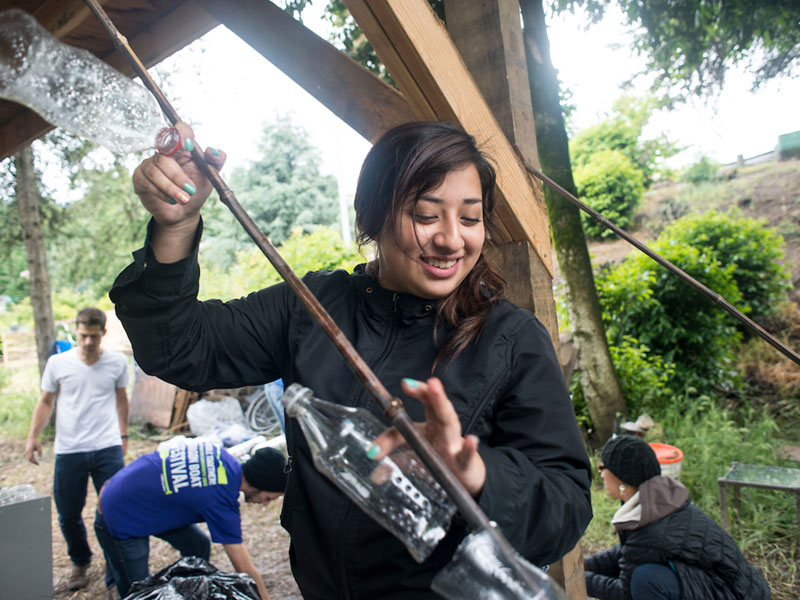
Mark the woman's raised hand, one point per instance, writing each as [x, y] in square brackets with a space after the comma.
[173, 189]
[443, 430]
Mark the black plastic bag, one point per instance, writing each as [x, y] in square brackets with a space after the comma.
[193, 578]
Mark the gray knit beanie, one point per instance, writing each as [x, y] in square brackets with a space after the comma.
[631, 459]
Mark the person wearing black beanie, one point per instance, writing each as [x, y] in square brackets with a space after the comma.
[264, 472]
[167, 492]
[669, 549]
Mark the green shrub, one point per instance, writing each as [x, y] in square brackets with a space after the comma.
[611, 134]
[644, 301]
[754, 250]
[19, 390]
[643, 376]
[612, 185]
[704, 169]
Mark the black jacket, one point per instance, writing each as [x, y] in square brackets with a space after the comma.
[706, 560]
[507, 389]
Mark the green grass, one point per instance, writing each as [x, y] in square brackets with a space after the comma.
[19, 390]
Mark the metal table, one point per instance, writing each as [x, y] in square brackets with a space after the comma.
[740, 475]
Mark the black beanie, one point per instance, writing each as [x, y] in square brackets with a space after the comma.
[631, 459]
[264, 470]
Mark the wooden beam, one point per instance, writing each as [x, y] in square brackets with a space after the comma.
[417, 51]
[61, 17]
[354, 94]
[500, 71]
[175, 30]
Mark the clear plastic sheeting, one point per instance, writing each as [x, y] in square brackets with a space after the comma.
[204, 415]
[397, 491]
[73, 89]
[478, 571]
[193, 578]
[17, 493]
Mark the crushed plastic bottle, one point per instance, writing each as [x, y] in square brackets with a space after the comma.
[478, 571]
[397, 491]
[17, 493]
[73, 89]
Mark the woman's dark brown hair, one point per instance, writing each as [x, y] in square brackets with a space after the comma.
[406, 162]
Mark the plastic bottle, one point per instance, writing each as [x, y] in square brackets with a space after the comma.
[479, 571]
[73, 89]
[397, 491]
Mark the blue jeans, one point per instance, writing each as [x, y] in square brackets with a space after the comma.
[654, 582]
[71, 476]
[128, 558]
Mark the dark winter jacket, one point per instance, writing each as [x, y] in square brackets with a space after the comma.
[506, 388]
[672, 530]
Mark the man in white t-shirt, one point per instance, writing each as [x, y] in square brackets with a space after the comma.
[91, 429]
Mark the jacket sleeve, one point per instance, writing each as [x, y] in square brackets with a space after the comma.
[605, 562]
[605, 587]
[537, 471]
[199, 345]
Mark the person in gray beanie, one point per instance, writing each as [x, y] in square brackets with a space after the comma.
[669, 549]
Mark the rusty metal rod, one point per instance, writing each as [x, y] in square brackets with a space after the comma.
[683, 275]
[392, 407]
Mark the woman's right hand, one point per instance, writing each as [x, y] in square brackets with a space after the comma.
[173, 189]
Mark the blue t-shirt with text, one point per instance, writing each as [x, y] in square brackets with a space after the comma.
[172, 488]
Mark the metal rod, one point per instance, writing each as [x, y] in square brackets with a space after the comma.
[392, 407]
[715, 296]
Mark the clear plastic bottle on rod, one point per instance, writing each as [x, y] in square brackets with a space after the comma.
[397, 491]
[73, 89]
[480, 571]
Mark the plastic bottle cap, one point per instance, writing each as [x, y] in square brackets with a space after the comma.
[291, 396]
[168, 140]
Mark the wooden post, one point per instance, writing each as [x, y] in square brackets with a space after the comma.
[422, 59]
[498, 65]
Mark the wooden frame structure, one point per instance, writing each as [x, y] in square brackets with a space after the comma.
[441, 74]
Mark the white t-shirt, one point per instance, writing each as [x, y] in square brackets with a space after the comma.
[86, 414]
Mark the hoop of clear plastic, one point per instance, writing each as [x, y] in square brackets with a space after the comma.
[477, 571]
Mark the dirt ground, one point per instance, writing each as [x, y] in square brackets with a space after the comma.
[265, 539]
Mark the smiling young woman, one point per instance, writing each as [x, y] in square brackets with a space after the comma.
[498, 411]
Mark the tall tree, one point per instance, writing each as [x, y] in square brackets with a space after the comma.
[33, 237]
[691, 44]
[93, 239]
[596, 371]
[283, 189]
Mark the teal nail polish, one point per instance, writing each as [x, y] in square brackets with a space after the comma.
[171, 200]
[188, 144]
[412, 383]
[189, 188]
[373, 451]
[214, 151]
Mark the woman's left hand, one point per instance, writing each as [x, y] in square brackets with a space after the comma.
[443, 430]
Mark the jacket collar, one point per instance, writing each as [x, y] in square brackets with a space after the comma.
[407, 306]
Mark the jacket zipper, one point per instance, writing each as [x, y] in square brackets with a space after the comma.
[482, 406]
[344, 583]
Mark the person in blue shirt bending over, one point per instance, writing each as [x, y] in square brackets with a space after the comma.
[166, 492]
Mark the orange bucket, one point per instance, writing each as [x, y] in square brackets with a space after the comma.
[669, 457]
